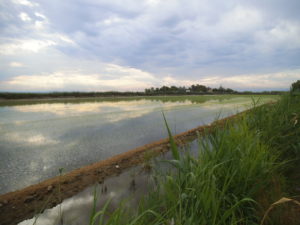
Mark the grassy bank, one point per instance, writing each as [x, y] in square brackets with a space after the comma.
[239, 171]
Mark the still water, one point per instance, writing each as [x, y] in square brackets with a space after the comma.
[39, 137]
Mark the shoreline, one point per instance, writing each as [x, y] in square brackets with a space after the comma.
[25, 203]
[127, 96]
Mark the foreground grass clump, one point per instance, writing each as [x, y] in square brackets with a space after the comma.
[238, 172]
[217, 186]
[278, 125]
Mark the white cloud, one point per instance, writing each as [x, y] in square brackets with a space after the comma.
[39, 34]
[117, 71]
[283, 35]
[18, 46]
[153, 2]
[112, 20]
[239, 19]
[279, 80]
[16, 64]
[24, 16]
[37, 14]
[64, 38]
[170, 81]
[113, 77]
[39, 25]
[26, 3]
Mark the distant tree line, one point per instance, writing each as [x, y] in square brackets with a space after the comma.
[194, 89]
[10, 95]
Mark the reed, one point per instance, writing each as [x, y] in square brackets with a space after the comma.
[235, 167]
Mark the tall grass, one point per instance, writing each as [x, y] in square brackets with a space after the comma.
[218, 186]
[278, 125]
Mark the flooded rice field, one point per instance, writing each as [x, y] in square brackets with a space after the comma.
[126, 189]
[37, 138]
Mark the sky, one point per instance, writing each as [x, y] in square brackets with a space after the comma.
[130, 45]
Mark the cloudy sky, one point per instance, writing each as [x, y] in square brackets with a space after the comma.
[100, 45]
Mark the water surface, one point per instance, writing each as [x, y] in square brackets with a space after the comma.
[39, 137]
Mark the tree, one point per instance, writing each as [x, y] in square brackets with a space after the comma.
[296, 86]
[221, 89]
[198, 88]
[229, 90]
[173, 89]
[164, 89]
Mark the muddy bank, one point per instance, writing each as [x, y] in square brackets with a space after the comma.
[23, 204]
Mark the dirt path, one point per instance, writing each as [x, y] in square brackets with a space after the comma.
[25, 203]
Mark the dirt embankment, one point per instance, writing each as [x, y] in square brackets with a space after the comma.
[24, 204]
